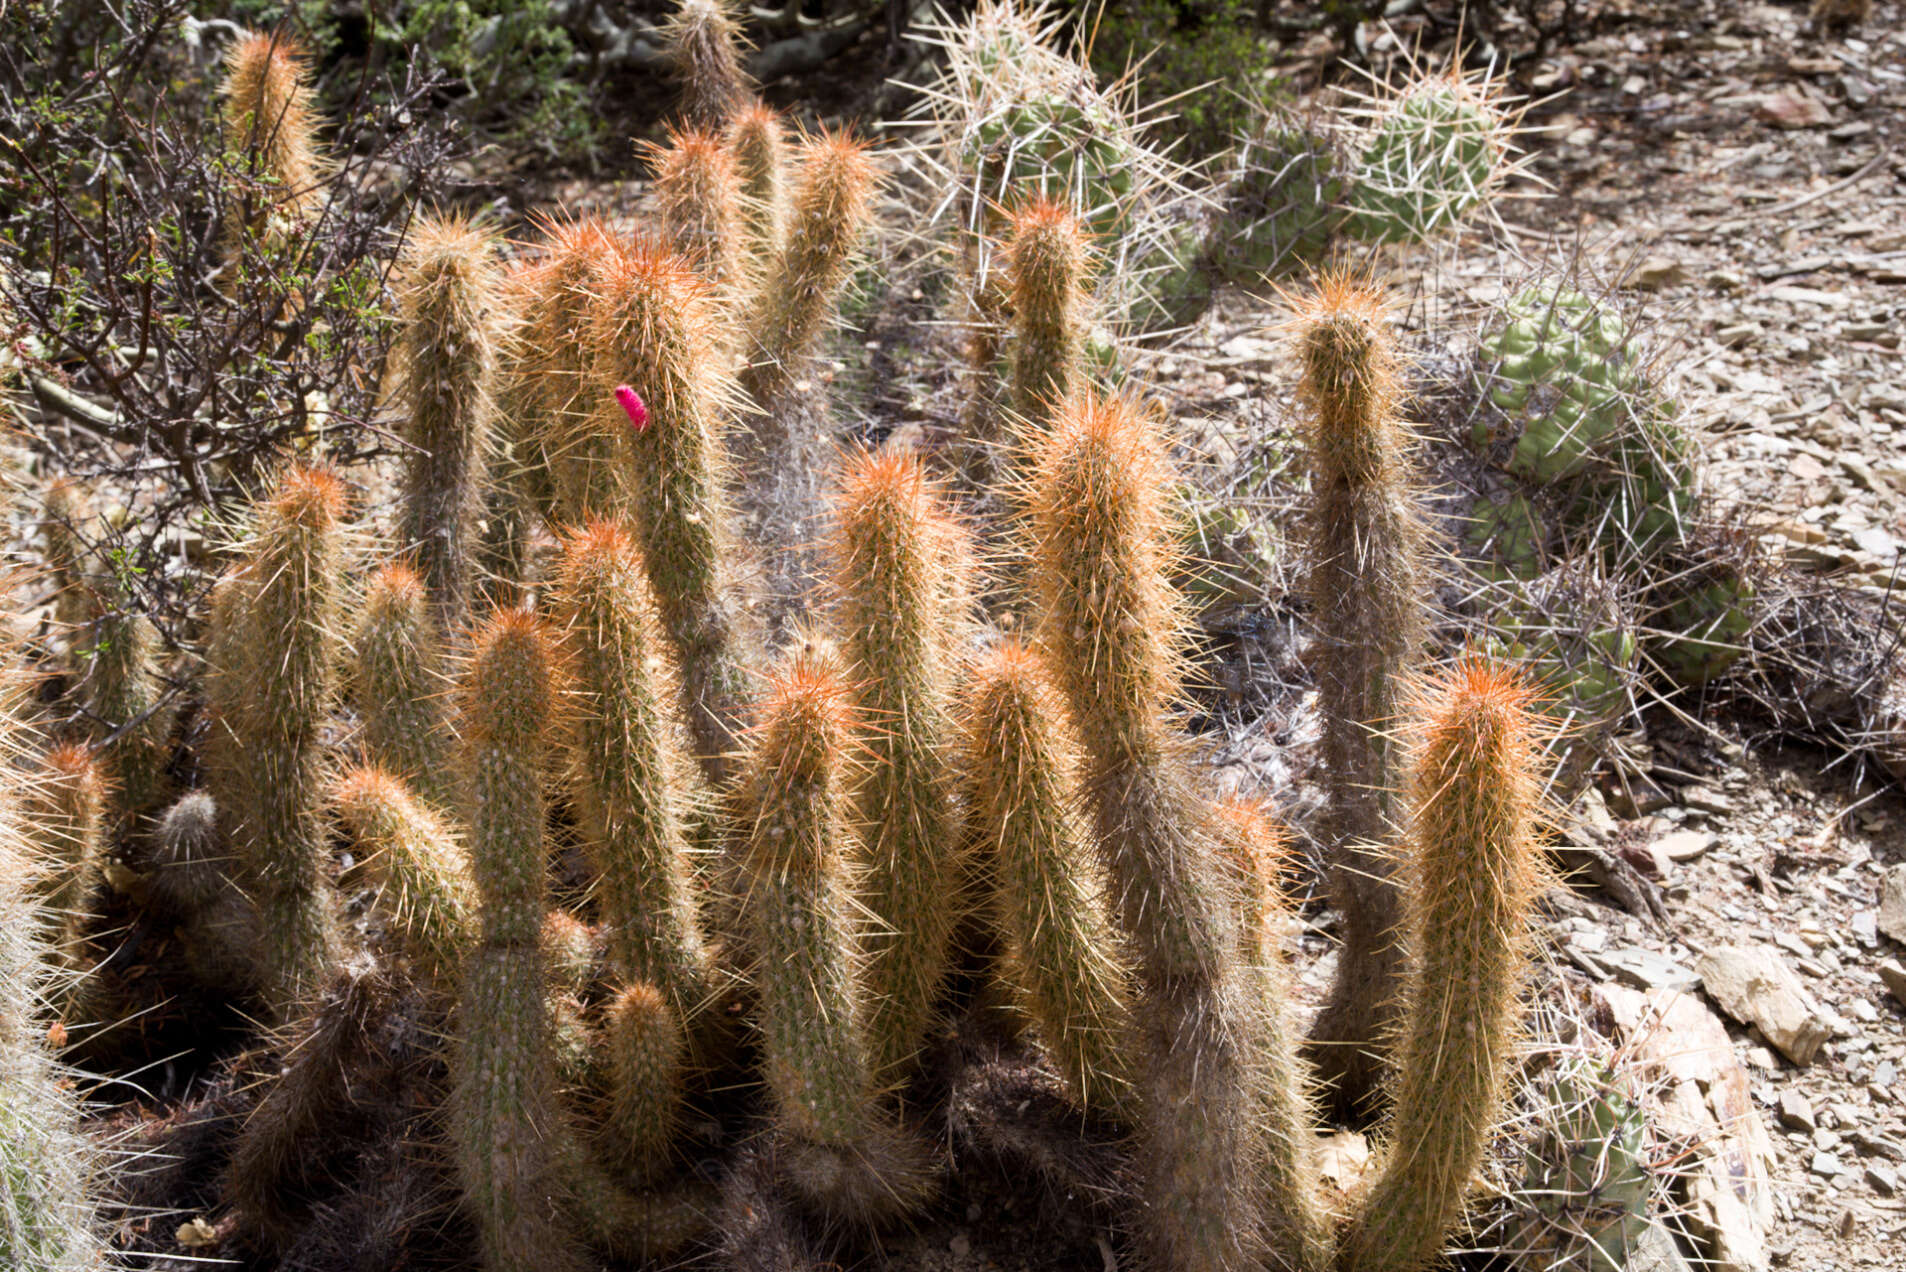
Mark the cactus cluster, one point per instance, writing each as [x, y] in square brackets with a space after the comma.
[667, 940]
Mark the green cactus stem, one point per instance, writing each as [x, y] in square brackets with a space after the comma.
[421, 869]
[398, 682]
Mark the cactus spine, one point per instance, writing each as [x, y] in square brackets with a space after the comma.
[758, 140]
[1473, 881]
[1367, 585]
[698, 201]
[654, 335]
[1017, 764]
[846, 1158]
[893, 556]
[1111, 629]
[281, 619]
[422, 872]
[505, 1120]
[1047, 263]
[446, 360]
[703, 43]
[631, 775]
[400, 685]
[648, 1053]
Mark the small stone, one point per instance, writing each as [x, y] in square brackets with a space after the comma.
[1894, 977]
[1644, 969]
[1892, 916]
[1656, 273]
[1686, 845]
[1884, 1180]
[1792, 109]
[960, 1245]
[1752, 984]
[1866, 928]
[1736, 334]
[1725, 280]
[1825, 1165]
[1706, 799]
[1824, 1140]
[1795, 1113]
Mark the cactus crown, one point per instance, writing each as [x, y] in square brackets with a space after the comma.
[698, 194]
[511, 691]
[758, 140]
[268, 104]
[704, 43]
[1350, 376]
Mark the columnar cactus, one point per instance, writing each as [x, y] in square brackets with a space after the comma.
[1047, 267]
[269, 111]
[277, 649]
[445, 363]
[1065, 956]
[66, 807]
[553, 380]
[842, 1153]
[1474, 877]
[125, 704]
[893, 551]
[661, 391]
[1367, 587]
[757, 138]
[1112, 631]
[422, 871]
[648, 1052]
[506, 1123]
[64, 510]
[629, 769]
[704, 43]
[698, 198]
[399, 684]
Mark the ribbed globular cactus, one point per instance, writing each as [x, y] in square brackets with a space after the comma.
[1048, 268]
[829, 213]
[506, 1123]
[704, 43]
[1583, 1198]
[698, 201]
[275, 653]
[843, 1155]
[1017, 765]
[1368, 583]
[661, 393]
[422, 871]
[445, 361]
[1222, 1174]
[269, 111]
[47, 1219]
[894, 547]
[648, 1053]
[758, 139]
[632, 779]
[399, 685]
[1428, 155]
[1474, 874]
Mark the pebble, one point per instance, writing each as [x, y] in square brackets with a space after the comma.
[1795, 1113]
[1824, 1164]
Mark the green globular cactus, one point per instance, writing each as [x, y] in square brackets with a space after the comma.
[757, 138]
[66, 806]
[630, 773]
[703, 42]
[1475, 873]
[698, 201]
[1703, 629]
[842, 1154]
[506, 1124]
[661, 391]
[398, 682]
[126, 707]
[1583, 1196]
[1224, 1156]
[1428, 155]
[1508, 537]
[893, 552]
[281, 643]
[1368, 583]
[829, 213]
[1282, 208]
[47, 1167]
[1065, 957]
[422, 872]
[648, 1054]
[448, 293]
[1048, 266]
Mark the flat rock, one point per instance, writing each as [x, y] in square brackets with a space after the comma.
[1892, 920]
[1645, 969]
[1755, 986]
[1686, 845]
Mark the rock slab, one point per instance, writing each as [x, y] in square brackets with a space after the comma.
[1753, 985]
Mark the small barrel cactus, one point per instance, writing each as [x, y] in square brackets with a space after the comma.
[1430, 155]
[1583, 1198]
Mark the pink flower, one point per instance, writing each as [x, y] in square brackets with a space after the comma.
[632, 404]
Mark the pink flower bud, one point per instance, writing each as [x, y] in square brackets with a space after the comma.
[632, 404]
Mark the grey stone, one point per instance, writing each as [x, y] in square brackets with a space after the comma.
[1892, 916]
[1753, 985]
[1644, 969]
[1795, 1113]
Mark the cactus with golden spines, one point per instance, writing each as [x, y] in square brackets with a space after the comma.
[1368, 584]
[648, 1054]
[445, 366]
[551, 390]
[843, 1154]
[1473, 877]
[65, 807]
[399, 685]
[1022, 819]
[275, 647]
[698, 202]
[758, 140]
[268, 109]
[505, 1118]
[126, 707]
[632, 779]
[894, 548]
[1222, 1183]
[64, 509]
[704, 43]
[661, 390]
[1048, 269]
[423, 874]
